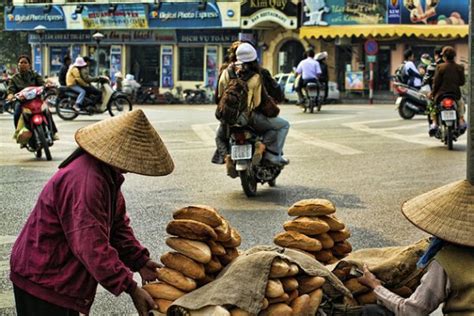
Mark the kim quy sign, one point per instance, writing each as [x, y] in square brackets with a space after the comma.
[282, 12]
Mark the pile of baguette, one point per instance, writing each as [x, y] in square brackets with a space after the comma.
[203, 243]
[363, 295]
[315, 231]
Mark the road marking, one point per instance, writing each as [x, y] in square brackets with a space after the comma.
[205, 133]
[322, 120]
[311, 140]
[409, 126]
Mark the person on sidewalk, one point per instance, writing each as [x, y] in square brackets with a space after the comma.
[447, 214]
[78, 233]
[310, 70]
[449, 78]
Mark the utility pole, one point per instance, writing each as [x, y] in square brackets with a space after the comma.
[470, 131]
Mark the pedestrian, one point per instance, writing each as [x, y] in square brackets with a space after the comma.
[324, 77]
[78, 233]
[447, 214]
[310, 70]
[410, 70]
[63, 71]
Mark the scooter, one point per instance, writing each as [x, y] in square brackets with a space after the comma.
[114, 102]
[36, 134]
[448, 121]
[411, 101]
[242, 147]
[195, 96]
[313, 99]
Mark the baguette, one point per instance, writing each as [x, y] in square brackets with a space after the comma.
[231, 254]
[356, 287]
[323, 255]
[309, 284]
[300, 306]
[292, 295]
[297, 240]
[289, 284]
[294, 270]
[279, 268]
[191, 229]
[265, 303]
[196, 250]
[201, 213]
[307, 225]
[340, 235]
[280, 299]
[274, 289]
[223, 231]
[342, 248]
[279, 309]
[234, 241]
[176, 279]
[213, 266]
[216, 248]
[163, 290]
[238, 312]
[333, 222]
[315, 299]
[163, 305]
[312, 207]
[183, 264]
[326, 240]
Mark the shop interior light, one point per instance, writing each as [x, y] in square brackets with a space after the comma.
[79, 9]
[202, 5]
[112, 8]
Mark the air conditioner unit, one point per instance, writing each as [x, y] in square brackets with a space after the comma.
[343, 41]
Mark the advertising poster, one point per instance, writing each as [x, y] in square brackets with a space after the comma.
[185, 15]
[57, 55]
[166, 66]
[394, 13]
[441, 12]
[343, 12]
[132, 16]
[76, 52]
[354, 80]
[37, 59]
[115, 61]
[211, 66]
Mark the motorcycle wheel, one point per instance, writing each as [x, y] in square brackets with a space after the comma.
[320, 104]
[44, 143]
[449, 137]
[405, 112]
[65, 111]
[311, 106]
[119, 105]
[168, 97]
[51, 99]
[249, 184]
[189, 100]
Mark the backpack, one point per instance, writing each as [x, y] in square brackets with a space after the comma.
[273, 88]
[233, 100]
[400, 74]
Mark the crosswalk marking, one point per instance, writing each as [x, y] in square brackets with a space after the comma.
[205, 133]
[311, 140]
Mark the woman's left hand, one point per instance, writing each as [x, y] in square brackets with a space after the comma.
[148, 271]
[369, 279]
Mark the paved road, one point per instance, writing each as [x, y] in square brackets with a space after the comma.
[364, 158]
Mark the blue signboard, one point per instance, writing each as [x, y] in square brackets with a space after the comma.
[183, 15]
[37, 59]
[394, 14]
[435, 12]
[27, 18]
[207, 36]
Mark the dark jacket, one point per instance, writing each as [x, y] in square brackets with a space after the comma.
[24, 80]
[324, 77]
[449, 77]
[76, 237]
[62, 75]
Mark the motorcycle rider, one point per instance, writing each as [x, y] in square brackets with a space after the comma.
[410, 70]
[85, 75]
[324, 77]
[26, 77]
[75, 82]
[430, 70]
[310, 70]
[449, 78]
[63, 71]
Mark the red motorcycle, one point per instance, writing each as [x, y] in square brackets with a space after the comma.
[35, 134]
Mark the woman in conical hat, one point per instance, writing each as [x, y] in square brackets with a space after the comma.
[78, 234]
[447, 213]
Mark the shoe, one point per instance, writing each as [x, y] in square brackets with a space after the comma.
[258, 154]
[279, 162]
[76, 108]
[433, 130]
[284, 161]
[56, 136]
[217, 158]
[229, 165]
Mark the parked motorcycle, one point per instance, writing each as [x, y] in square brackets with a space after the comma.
[410, 101]
[242, 144]
[114, 102]
[448, 121]
[195, 96]
[313, 98]
[147, 95]
[36, 135]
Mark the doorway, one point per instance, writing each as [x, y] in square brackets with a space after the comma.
[289, 55]
[382, 72]
[145, 65]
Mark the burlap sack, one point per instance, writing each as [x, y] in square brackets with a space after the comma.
[243, 282]
[394, 266]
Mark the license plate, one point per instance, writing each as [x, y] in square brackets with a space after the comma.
[238, 152]
[448, 115]
[399, 100]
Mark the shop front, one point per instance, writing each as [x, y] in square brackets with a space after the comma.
[273, 25]
[343, 27]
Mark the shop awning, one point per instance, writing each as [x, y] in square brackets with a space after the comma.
[384, 30]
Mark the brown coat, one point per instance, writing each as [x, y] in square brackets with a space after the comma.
[449, 77]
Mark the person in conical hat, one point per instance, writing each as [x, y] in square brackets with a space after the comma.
[78, 234]
[447, 213]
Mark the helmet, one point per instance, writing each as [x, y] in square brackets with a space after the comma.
[426, 59]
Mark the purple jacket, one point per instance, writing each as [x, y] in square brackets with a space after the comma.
[74, 238]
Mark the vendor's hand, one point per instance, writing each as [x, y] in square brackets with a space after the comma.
[143, 301]
[369, 279]
[148, 272]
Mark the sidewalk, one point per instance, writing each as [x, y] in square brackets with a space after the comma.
[380, 97]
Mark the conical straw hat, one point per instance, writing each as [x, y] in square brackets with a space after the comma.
[446, 212]
[128, 142]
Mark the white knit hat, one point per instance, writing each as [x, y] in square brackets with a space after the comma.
[79, 62]
[321, 56]
[245, 53]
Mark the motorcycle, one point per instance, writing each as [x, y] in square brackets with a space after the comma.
[146, 95]
[448, 120]
[313, 99]
[242, 147]
[195, 96]
[114, 102]
[51, 96]
[36, 135]
[411, 101]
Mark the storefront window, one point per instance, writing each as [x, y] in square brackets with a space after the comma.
[191, 63]
[57, 55]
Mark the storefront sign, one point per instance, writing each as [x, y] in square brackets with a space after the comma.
[394, 14]
[166, 66]
[57, 54]
[115, 61]
[131, 16]
[343, 12]
[185, 15]
[435, 12]
[282, 12]
[354, 80]
[110, 37]
[37, 59]
[207, 36]
[29, 17]
[211, 66]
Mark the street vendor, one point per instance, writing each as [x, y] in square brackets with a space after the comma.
[78, 234]
[448, 214]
